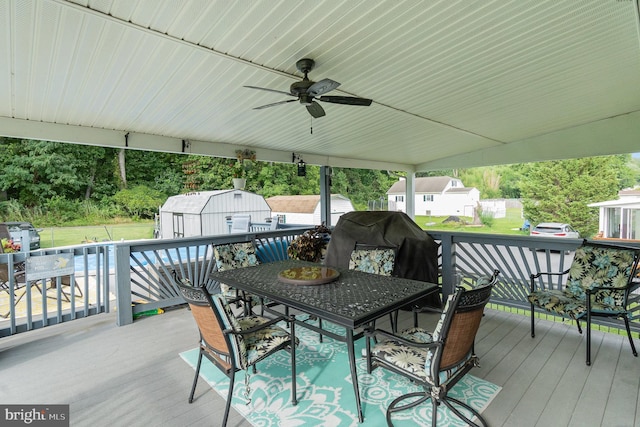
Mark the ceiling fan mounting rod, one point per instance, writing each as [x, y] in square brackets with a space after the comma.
[305, 65]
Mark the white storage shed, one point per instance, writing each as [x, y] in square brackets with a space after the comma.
[205, 213]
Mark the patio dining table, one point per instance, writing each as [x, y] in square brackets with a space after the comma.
[351, 300]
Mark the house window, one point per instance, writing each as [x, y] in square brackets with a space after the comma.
[634, 224]
[399, 198]
[454, 183]
[614, 221]
[427, 198]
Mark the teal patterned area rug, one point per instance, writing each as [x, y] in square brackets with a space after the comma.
[325, 393]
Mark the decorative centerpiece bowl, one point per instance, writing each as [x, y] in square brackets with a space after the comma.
[309, 275]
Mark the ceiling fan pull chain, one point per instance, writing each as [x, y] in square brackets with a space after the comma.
[311, 125]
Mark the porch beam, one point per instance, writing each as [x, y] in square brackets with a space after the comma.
[410, 194]
[325, 195]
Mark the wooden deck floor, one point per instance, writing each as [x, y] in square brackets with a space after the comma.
[132, 375]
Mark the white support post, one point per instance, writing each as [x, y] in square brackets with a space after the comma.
[410, 195]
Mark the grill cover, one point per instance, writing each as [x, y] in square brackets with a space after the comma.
[416, 251]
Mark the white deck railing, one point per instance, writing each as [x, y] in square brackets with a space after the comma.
[139, 274]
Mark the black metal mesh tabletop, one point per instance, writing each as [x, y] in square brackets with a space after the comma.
[353, 299]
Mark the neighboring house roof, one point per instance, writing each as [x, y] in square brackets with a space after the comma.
[294, 204]
[627, 197]
[298, 204]
[625, 201]
[429, 184]
[635, 192]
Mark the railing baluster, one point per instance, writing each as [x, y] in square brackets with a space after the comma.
[149, 265]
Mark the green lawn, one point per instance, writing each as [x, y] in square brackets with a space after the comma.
[65, 236]
[509, 225]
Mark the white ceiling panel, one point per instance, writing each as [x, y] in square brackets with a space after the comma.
[454, 83]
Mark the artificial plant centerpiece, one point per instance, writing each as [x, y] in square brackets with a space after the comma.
[311, 245]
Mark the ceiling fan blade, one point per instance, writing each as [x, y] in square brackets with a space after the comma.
[347, 100]
[270, 90]
[274, 104]
[323, 86]
[315, 110]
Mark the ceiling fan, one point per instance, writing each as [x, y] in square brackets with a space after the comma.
[308, 92]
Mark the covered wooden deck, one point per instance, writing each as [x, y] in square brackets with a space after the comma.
[133, 375]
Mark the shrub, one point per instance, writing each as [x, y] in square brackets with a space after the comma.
[140, 201]
[486, 218]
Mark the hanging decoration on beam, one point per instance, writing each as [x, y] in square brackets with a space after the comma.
[302, 166]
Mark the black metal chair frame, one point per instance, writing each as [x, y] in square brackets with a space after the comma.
[427, 309]
[19, 279]
[463, 302]
[632, 284]
[223, 358]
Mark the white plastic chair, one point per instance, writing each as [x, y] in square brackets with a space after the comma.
[240, 223]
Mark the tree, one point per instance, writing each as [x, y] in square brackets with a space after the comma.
[159, 171]
[122, 168]
[559, 191]
[361, 185]
[140, 201]
[35, 171]
[485, 179]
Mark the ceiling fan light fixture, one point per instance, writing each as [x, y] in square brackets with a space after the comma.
[308, 92]
[302, 168]
[306, 99]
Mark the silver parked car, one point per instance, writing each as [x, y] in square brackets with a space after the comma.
[554, 229]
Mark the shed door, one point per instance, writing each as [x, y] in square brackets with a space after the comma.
[178, 225]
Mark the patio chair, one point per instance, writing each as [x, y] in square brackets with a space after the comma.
[435, 360]
[19, 281]
[65, 281]
[462, 280]
[234, 343]
[375, 260]
[599, 282]
[237, 255]
[4, 233]
[240, 223]
[274, 223]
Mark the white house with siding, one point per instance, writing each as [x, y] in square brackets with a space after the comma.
[437, 196]
[306, 209]
[205, 213]
[620, 219]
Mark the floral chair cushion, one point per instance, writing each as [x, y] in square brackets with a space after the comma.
[592, 267]
[558, 302]
[260, 343]
[416, 360]
[481, 281]
[230, 321]
[376, 261]
[232, 256]
[235, 255]
[252, 347]
[600, 267]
